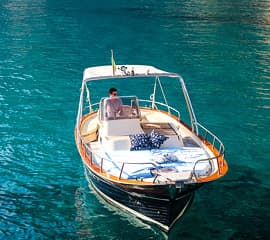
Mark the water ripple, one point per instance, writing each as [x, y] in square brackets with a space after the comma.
[220, 47]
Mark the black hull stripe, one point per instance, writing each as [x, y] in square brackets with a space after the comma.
[162, 212]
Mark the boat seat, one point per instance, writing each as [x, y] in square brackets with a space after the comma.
[173, 141]
[121, 127]
[115, 143]
[89, 129]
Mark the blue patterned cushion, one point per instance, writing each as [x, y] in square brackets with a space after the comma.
[156, 139]
[139, 142]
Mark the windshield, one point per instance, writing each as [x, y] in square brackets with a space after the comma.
[122, 107]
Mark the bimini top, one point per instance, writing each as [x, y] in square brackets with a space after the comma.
[103, 72]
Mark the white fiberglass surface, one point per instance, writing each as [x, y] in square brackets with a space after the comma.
[139, 164]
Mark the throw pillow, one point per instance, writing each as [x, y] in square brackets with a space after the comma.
[139, 142]
[156, 139]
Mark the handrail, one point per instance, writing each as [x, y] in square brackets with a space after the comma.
[95, 106]
[162, 104]
[216, 142]
[206, 135]
[88, 152]
[209, 160]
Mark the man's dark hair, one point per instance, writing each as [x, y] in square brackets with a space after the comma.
[112, 90]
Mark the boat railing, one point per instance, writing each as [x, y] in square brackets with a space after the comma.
[88, 153]
[91, 108]
[145, 103]
[159, 106]
[215, 144]
[195, 173]
[208, 136]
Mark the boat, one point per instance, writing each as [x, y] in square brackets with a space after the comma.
[150, 157]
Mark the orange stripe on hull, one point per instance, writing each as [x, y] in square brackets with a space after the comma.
[223, 168]
[222, 164]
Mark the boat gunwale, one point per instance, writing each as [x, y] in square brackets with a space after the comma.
[215, 175]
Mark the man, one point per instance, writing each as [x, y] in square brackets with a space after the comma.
[113, 105]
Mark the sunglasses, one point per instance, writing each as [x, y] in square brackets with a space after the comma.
[114, 94]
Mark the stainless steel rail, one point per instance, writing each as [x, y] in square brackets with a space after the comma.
[211, 138]
[169, 108]
[202, 132]
[101, 159]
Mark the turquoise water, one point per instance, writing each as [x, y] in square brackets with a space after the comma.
[221, 48]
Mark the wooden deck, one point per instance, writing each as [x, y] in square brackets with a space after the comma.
[164, 128]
